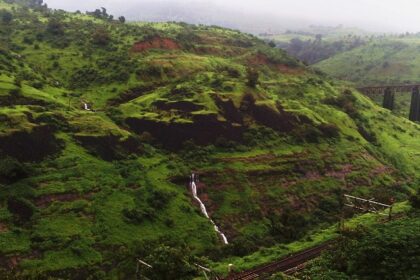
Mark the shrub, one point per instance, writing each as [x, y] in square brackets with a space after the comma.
[6, 17]
[101, 36]
[252, 77]
[55, 27]
[137, 216]
[83, 77]
[21, 207]
[329, 130]
[415, 200]
[307, 133]
[11, 170]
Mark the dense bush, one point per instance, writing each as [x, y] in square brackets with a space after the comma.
[101, 36]
[11, 170]
[314, 50]
[55, 27]
[307, 133]
[170, 258]
[329, 130]
[83, 77]
[252, 77]
[415, 200]
[21, 207]
[138, 216]
[388, 251]
[6, 17]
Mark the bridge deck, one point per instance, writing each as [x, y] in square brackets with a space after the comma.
[382, 88]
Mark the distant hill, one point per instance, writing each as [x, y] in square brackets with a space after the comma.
[102, 123]
[317, 43]
[384, 60]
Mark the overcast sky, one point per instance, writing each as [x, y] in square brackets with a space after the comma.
[373, 15]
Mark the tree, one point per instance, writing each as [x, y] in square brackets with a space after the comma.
[55, 27]
[121, 19]
[101, 36]
[253, 77]
[6, 17]
[170, 258]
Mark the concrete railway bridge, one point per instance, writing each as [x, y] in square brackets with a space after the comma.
[389, 91]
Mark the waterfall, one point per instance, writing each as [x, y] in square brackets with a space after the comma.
[204, 210]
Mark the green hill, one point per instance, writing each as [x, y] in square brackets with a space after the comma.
[83, 193]
[388, 60]
[318, 43]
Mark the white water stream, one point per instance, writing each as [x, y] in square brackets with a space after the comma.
[204, 210]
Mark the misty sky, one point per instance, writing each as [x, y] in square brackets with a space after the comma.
[373, 15]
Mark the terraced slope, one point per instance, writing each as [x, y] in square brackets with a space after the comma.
[84, 193]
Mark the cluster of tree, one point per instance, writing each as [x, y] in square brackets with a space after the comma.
[103, 14]
[386, 252]
[315, 50]
[28, 3]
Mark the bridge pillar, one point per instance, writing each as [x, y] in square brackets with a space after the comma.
[415, 105]
[389, 98]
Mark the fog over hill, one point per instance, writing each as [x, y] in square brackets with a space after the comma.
[264, 15]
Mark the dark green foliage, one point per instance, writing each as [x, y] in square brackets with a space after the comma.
[101, 36]
[329, 130]
[6, 16]
[11, 170]
[170, 258]
[307, 133]
[55, 27]
[84, 77]
[21, 207]
[287, 226]
[415, 200]
[252, 77]
[346, 102]
[101, 14]
[138, 216]
[315, 50]
[121, 19]
[389, 251]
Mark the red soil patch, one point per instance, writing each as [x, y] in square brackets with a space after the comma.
[312, 175]
[261, 59]
[289, 70]
[258, 59]
[44, 201]
[155, 43]
[382, 169]
[254, 159]
[341, 174]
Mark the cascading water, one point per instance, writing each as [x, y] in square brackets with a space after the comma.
[204, 210]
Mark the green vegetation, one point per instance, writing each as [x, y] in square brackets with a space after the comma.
[84, 193]
[385, 251]
[389, 60]
[318, 43]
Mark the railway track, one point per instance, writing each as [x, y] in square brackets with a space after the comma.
[286, 265]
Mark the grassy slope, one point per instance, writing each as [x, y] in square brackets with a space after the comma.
[80, 198]
[389, 60]
[382, 61]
